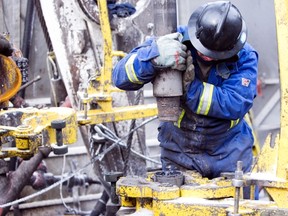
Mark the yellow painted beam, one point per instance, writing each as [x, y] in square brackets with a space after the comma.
[281, 11]
[212, 192]
[117, 114]
[107, 46]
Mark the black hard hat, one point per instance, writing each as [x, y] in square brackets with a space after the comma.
[217, 30]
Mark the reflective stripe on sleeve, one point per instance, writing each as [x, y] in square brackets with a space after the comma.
[234, 122]
[206, 99]
[130, 70]
[180, 118]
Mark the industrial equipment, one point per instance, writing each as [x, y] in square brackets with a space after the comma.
[224, 195]
[10, 80]
[30, 128]
[33, 133]
[42, 120]
[167, 86]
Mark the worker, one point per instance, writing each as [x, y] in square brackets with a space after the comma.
[219, 80]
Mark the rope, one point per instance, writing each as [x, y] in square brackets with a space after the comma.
[43, 25]
[69, 209]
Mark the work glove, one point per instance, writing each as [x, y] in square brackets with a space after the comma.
[5, 46]
[189, 74]
[172, 52]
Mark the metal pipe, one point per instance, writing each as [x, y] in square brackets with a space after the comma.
[28, 28]
[30, 83]
[167, 86]
[27, 35]
[165, 17]
[53, 202]
[24, 173]
[100, 206]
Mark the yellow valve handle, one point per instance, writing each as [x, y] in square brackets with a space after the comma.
[10, 78]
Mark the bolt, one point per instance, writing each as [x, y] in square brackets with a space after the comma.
[58, 125]
[60, 148]
[238, 182]
[239, 166]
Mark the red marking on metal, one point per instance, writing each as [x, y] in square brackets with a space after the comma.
[177, 55]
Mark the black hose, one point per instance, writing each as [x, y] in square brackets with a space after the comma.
[27, 35]
[100, 207]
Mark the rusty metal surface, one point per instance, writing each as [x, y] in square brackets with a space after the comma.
[12, 184]
[168, 108]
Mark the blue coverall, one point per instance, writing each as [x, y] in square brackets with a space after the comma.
[211, 135]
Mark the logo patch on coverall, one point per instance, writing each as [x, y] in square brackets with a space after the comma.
[245, 82]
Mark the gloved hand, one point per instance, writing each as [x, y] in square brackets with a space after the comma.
[189, 74]
[172, 52]
[5, 46]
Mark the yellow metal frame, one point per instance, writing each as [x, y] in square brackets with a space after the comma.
[197, 196]
[273, 161]
[102, 93]
[35, 130]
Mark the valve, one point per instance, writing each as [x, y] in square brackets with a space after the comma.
[59, 148]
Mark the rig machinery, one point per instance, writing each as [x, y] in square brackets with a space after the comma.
[36, 132]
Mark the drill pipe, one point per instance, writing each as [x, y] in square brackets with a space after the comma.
[167, 86]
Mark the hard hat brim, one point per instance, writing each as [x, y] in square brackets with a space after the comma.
[217, 55]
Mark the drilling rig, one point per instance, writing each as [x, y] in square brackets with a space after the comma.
[80, 68]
